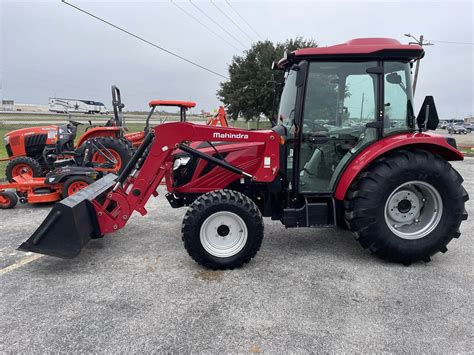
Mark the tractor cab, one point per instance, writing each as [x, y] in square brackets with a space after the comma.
[336, 101]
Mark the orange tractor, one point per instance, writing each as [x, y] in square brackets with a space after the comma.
[110, 152]
[37, 150]
[219, 118]
[136, 138]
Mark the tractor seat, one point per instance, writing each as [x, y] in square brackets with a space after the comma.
[63, 162]
[183, 104]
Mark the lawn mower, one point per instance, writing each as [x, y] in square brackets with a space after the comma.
[348, 152]
[59, 183]
[34, 150]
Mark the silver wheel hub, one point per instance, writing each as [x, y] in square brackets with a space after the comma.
[223, 234]
[413, 210]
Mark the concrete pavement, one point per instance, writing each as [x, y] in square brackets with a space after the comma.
[307, 290]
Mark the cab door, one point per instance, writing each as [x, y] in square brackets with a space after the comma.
[339, 101]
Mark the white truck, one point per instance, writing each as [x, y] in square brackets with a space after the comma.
[77, 106]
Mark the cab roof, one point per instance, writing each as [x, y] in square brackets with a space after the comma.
[359, 48]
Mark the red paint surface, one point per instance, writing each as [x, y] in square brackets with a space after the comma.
[434, 143]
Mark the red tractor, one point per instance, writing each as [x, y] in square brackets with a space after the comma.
[37, 150]
[348, 152]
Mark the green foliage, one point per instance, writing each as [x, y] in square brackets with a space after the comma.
[249, 92]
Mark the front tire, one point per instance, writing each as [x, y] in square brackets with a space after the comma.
[23, 165]
[75, 184]
[222, 230]
[407, 206]
[8, 199]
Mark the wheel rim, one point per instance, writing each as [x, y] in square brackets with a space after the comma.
[75, 187]
[22, 169]
[223, 234]
[4, 201]
[98, 158]
[413, 210]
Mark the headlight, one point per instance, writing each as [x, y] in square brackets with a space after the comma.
[180, 162]
[6, 139]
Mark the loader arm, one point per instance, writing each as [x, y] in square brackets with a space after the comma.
[107, 205]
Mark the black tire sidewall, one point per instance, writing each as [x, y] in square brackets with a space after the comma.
[12, 197]
[119, 147]
[192, 234]
[32, 163]
[419, 167]
[72, 179]
[441, 231]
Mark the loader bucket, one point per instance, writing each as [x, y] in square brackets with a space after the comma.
[70, 224]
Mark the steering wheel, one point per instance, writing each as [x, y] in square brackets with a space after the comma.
[316, 127]
[316, 133]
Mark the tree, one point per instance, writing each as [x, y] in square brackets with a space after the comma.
[249, 91]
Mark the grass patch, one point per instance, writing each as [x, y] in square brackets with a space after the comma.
[468, 152]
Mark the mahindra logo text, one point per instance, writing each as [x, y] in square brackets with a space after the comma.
[230, 135]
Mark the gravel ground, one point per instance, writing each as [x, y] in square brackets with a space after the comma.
[306, 291]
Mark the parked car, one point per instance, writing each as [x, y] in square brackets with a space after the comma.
[457, 129]
[469, 127]
[443, 124]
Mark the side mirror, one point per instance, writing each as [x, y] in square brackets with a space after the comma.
[394, 78]
[428, 116]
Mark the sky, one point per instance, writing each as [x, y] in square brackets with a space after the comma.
[49, 49]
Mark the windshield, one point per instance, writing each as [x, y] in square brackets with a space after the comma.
[340, 97]
[288, 100]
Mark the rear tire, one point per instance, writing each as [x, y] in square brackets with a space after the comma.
[22, 165]
[75, 184]
[407, 206]
[222, 230]
[8, 199]
[118, 148]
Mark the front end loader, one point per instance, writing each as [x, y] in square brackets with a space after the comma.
[348, 152]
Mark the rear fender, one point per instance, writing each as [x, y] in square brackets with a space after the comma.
[433, 143]
[99, 132]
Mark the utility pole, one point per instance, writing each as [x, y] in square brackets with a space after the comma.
[420, 42]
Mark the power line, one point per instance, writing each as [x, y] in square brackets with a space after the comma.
[146, 41]
[204, 25]
[217, 24]
[238, 14]
[230, 19]
[450, 42]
